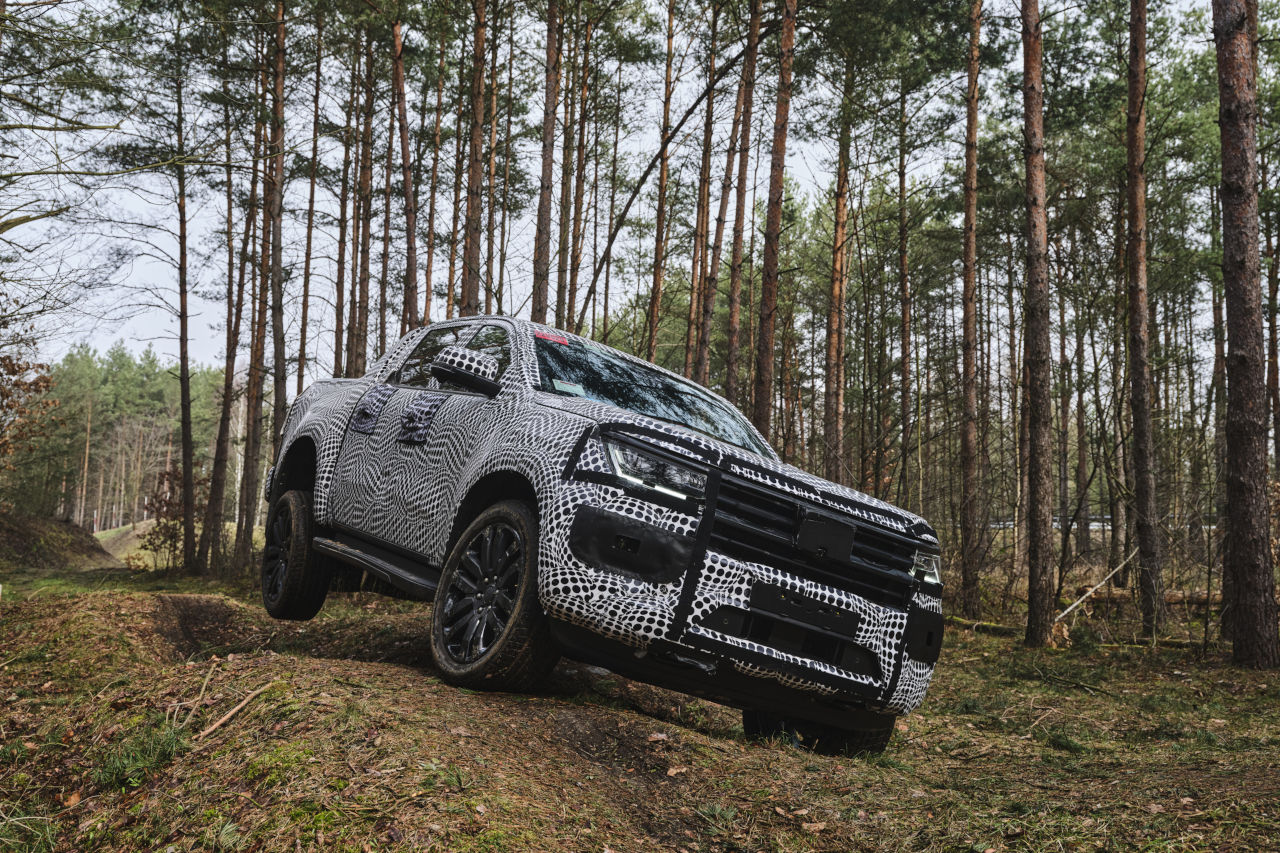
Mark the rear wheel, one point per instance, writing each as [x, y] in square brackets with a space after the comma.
[295, 580]
[817, 737]
[487, 627]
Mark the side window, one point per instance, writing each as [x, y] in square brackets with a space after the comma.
[416, 370]
[493, 341]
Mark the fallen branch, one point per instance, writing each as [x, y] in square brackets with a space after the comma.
[237, 709]
[196, 704]
[1082, 598]
[984, 627]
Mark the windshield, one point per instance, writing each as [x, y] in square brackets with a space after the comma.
[576, 368]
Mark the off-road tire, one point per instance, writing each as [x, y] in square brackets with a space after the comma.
[295, 580]
[817, 737]
[520, 651]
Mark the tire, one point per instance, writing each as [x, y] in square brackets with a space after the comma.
[817, 737]
[488, 629]
[295, 580]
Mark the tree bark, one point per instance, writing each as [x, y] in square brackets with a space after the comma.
[763, 404]
[1255, 639]
[409, 313]
[972, 538]
[360, 347]
[341, 270]
[832, 399]
[710, 288]
[542, 235]
[280, 378]
[733, 345]
[1039, 399]
[697, 272]
[1150, 587]
[311, 205]
[184, 360]
[475, 171]
[211, 530]
[659, 246]
[435, 175]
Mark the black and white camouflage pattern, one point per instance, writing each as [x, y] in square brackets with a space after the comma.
[395, 463]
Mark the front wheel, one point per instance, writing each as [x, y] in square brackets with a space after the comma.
[487, 627]
[818, 737]
[295, 580]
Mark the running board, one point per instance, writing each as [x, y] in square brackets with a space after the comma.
[379, 562]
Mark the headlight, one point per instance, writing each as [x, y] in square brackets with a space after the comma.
[656, 473]
[928, 567]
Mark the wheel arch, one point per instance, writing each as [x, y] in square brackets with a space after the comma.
[487, 491]
[297, 470]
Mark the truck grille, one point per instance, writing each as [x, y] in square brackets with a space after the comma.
[760, 525]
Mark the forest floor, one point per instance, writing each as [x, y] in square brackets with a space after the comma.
[114, 735]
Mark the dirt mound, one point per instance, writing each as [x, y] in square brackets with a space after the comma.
[29, 543]
[186, 722]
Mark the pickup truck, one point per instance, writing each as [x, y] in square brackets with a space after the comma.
[553, 496]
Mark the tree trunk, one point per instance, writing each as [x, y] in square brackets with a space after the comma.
[184, 360]
[904, 296]
[360, 348]
[710, 288]
[579, 185]
[280, 379]
[311, 205]
[832, 400]
[733, 345]
[542, 236]
[386, 235]
[566, 189]
[1146, 522]
[659, 246]
[1255, 641]
[972, 534]
[1039, 399]
[490, 226]
[762, 410]
[409, 314]
[697, 272]
[428, 283]
[475, 171]
[211, 531]
[343, 197]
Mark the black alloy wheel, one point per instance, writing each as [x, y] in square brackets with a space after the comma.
[488, 629]
[481, 597]
[295, 580]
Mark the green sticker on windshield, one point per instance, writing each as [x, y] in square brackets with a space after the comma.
[569, 388]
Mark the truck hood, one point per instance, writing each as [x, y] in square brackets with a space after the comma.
[754, 465]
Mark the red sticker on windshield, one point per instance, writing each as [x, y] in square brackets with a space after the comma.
[555, 339]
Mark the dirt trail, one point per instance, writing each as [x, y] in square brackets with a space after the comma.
[347, 740]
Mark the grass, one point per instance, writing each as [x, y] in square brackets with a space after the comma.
[359, 744]
[130, 761]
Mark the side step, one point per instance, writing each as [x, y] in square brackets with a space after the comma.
[401, 572]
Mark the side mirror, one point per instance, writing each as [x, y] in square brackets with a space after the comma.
[467, 368]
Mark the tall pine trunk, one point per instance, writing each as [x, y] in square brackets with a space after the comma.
[542, 234]
[409, 312]
[762, 411]
[972, 542]
[733, 346]
[1039, 399]
[1255, 641]
[475, 171]
[659, 230]
[311, 206]
[1151, 592]
[832, 398]
[280, 379]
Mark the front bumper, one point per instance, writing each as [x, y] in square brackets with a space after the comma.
[660, 576]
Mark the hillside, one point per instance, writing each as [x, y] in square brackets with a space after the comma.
[335, 734]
